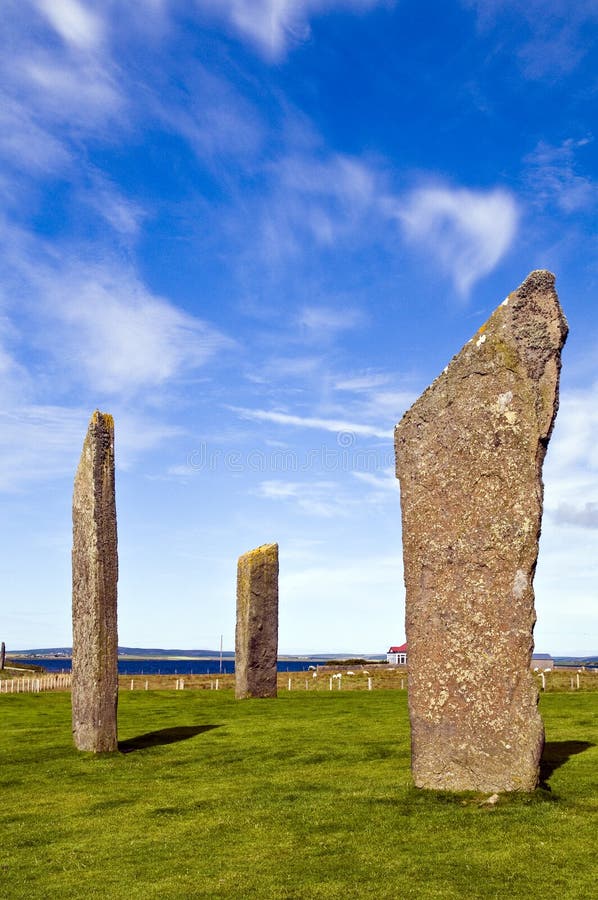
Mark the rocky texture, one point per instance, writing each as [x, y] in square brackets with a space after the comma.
[469, 458]
[256, 640]
[95, 576]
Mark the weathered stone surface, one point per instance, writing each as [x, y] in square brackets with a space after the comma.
[256, 639]
[95, 576]
[469, 457]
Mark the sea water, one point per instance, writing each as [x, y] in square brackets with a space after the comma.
[172, 666]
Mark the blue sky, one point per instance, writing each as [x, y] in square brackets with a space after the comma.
[254, 231]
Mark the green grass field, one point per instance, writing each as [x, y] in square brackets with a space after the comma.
[306, 796]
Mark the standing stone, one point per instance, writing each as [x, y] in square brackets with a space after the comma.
[95, 576]
[256, 639]
[469, 457]
[2, 655]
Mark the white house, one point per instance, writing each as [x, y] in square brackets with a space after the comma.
[542, 661]
[397, 655]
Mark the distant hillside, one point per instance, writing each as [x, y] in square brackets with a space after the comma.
[590, 661]
[150, 653]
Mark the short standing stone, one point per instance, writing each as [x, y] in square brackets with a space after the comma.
[95, 576]
[256, 641]
[469, 458]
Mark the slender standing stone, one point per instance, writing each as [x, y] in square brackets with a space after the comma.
[469, 458]
[2, 655]
[95, 576]
[256, 639]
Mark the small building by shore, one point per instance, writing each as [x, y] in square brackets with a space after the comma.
[397, 656]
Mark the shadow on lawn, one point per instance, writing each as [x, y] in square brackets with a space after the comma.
[163, 736]
[556, 754]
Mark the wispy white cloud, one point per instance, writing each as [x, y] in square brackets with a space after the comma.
[388, 405]
[81, 95]
[554, 178]
[338, 426]
[548, 37]
[283, 367]
[56, 91]
[25, 144]
[97, 320]
[585, 515]
[467, 232]
[382, 485]
[273, 25]
[124, 215]
[217, 121]
[74, 21]
[316, 198]
[315, 498]
[362, 382]
[326, 321]
[119, 335]
[325, 498]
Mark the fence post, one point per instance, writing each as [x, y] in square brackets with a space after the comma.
[369, 684]
[289, 683]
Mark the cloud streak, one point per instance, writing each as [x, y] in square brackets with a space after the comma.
[272, 26]
[338, 426]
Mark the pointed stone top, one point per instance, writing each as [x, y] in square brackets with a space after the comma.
[541, 277]
[523, 336]
[102, 420]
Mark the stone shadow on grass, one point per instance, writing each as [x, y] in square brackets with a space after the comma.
[556, 754]
[163, 736]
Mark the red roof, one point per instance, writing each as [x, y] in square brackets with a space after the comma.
[401, 649]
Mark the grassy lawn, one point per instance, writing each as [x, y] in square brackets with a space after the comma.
[306, 796]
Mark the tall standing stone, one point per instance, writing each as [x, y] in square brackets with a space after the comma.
[95, 576]
[469, 457]
[2, 655]
[256, 639]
